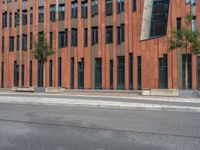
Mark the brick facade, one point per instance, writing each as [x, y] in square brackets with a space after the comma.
[150, 50]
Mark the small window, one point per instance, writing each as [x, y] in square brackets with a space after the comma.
[109, 34]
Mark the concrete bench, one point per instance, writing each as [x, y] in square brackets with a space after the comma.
[23, 89]
[161, 92]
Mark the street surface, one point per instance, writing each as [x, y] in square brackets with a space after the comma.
[43, 127]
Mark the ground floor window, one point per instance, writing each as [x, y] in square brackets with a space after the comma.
[111, 74]
[50, 73]
[22, 75]
[31, 74]
[72, 74]
[130, 71]
[81, 74]
[189, 71]
[139, 72]
[98, 73]
[16, 74]
[163, 72]
[2, 74]
[40, 74]
[198, 71]
[59, 72]
[120, 72]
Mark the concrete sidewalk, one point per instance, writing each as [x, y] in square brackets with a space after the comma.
[121, 102]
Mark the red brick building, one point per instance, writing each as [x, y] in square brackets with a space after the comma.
[108, 44]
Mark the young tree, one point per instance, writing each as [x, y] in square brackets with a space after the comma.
[42, 52]
[187, 40]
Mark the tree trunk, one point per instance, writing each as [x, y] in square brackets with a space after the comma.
[43, 75]
[186, 72]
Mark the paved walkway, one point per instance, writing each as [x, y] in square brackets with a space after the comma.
[120, 100]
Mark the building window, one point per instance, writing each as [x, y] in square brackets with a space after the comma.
[163, 72]
[31, 40]
[193, 2]
[159, 18]
[178, 23]
[24, 42]
[31, 15]
[50, 73]
[74, 9]
[139, 72]
[98, 73]
[16, 74]
[111, 74]
[62, 12]
[120, 6]
[2, 74]
[109, 34]
[10, 18]
[24, 17]
[22, 77]
[17, 20]
[81, 74]
[11, 44]
[74, 40]
[59, 72]
[63, 39]
[109, 8]
[130, 70]
[2, 46]
[4, 20]
[94, 8]
[52, 13]
[72, 73]
[94, 36]
[18, 40]
[85, 37]
[31, 74]
[120, 34]
[121, 72]
[41, 14]
[194, 24]
[84, 9]
[189, 59]
[134, 5]
[51, 39]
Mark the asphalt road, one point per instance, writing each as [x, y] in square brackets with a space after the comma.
[32, 127]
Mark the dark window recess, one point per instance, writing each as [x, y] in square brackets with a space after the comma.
[94, 36]
[134, 5]
[120, 34]
[53, 13]
[74, 9]
[111, 74]
[17, 20]
[24, 42]
[59, 72]
[31, 40]
[41, 14]
[198, 71]
[10, 20]
[51, 39]
[131, 71]
[139, 72]
[81, 74]
[120, 72]
[31, 15]
[18, 41]
[63, 39]
[24, 17]
[16, 74]
[94, 8]
[120, 6]
[189, 58]
[109, 34]
[74, 37]
[2, 74]
[84, 9]
[85, 37]
[22, 77]
[72, 73]
[98, 73]
[62, 12]
[109, 8]
[163, 72]
[178, 23]
[3, 45]
[159, 18]
[31, 74]
[11, 43]
[40, 74]
[50, 73]
[4, 20]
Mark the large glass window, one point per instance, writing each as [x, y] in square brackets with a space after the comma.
[84, 9]
[159, 18]
[52, 13]
[109, 34]
[74, 9]
[74, 37]
[163, 72]
[189, 60]
[24, 17]
[120, 72]
[11, 44]
[94, 36]
[24, 42]
[41, 14]
[98, 73]
[17, 20]
[94, 7]
[62, 39]
[62, 12]
[109, 7]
